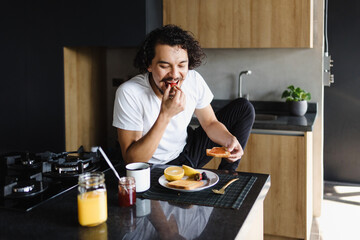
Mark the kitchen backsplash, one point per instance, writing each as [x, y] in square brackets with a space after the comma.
[272, 71]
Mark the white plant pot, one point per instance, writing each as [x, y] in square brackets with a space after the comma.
[298, 108]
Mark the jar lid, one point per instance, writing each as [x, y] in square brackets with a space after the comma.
[91, 178]
[127, 181]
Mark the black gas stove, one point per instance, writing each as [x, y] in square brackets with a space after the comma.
[30, 179]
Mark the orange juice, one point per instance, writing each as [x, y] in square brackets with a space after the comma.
[92, 208]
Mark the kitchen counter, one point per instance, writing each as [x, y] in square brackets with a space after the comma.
[284, 120]
[57, 218]
[272, 115]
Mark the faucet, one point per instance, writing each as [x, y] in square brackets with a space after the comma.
[247, 72]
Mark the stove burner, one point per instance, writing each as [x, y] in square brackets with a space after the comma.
[28, 188]
[27, 161]
[64, 169]
[71, 164]
[23, 188]
[24, 161]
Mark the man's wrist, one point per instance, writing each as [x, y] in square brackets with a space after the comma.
[164, 118]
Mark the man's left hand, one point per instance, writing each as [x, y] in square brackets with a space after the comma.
[235, 149]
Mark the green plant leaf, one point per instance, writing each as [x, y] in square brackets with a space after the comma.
[285, 94]
[295, 94]
[298, 91]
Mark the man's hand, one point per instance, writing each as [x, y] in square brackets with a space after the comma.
[173, 104]
[235, 149]
[218, 133]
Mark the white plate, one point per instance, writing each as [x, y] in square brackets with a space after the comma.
[213, 178]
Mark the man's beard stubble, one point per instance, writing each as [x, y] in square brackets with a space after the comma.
[164, 80]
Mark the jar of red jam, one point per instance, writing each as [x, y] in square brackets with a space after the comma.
[127, 192]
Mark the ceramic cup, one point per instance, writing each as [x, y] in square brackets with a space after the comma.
[141, 173]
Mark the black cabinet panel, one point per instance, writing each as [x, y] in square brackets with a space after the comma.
[33, 34]
[342, 99]
[124, 25]
[82, 23]
[13, 81]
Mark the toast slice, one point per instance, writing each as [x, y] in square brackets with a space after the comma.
[185, 184]
[218, 152]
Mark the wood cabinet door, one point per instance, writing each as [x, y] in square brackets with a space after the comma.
[288, 204]
[85, 91]
[244, 23]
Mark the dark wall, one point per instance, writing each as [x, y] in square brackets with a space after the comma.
[32, 37]
[342, 99]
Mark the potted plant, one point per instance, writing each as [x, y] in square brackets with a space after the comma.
[297, 99]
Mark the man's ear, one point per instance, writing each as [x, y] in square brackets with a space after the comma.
[149, 69]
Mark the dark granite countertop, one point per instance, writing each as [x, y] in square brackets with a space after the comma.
[284, 120]
[57, 219]
[272, 115]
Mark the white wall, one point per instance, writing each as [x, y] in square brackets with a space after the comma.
[272, 71]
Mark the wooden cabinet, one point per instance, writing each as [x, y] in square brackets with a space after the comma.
[288, 160]
[244, 23]
[85, 91]
[288, 205]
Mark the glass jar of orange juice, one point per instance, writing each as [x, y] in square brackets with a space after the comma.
[92, 199]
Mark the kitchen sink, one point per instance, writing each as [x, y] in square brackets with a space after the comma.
[265, 117]
[259, 106]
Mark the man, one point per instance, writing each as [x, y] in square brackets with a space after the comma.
[152, 110]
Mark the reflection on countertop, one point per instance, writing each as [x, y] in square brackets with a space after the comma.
[167, 221]
[153, 220]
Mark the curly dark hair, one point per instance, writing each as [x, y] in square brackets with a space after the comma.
[169, 35]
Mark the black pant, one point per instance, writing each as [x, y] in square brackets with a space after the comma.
[238, 117]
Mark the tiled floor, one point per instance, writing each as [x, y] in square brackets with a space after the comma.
[340, 217]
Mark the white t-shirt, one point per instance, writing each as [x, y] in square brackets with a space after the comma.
[137, 107]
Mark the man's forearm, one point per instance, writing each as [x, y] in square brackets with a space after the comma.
[218, 133]
[144, 148]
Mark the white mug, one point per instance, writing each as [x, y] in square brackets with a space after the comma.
[141, 172]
